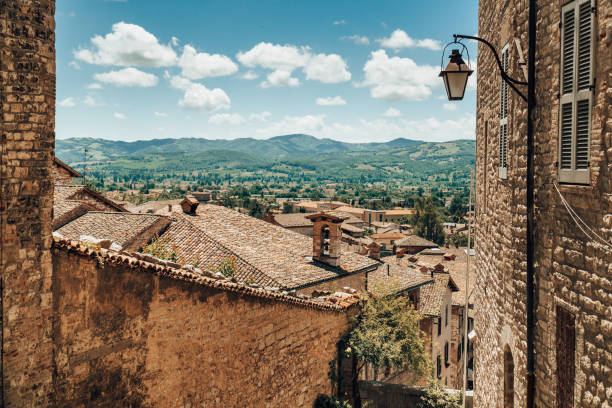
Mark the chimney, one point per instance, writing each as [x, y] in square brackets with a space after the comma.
[326, 237]
[374, 250]
[439, 268]
[189, 204]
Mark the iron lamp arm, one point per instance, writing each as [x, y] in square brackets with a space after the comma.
[504, 75]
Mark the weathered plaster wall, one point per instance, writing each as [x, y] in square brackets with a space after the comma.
[570, 270]
[27, 122]
[130, 338]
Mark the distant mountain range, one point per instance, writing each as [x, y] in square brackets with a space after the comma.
[73, 150]
[284, 159]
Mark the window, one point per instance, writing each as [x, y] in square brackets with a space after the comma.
[576, 91]
[508, 378]
[446, 361]
[446, 317]
[503, 119]
[566, 347]
[439, 367]
[439, 325]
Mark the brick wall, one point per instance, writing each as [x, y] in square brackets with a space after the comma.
[27, 109]
[127, 337]
[570, 271]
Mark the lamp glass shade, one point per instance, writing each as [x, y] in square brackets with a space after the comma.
[455, 76]
[455, 83]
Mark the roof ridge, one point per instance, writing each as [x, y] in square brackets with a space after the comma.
[163, 270]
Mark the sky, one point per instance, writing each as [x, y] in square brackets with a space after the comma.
[349, 70]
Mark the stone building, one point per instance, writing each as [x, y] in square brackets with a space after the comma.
[573, 149]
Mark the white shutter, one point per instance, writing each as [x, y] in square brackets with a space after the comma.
[503, 119]
[577, 48]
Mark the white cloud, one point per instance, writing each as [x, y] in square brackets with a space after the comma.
[94, 86]
[249, 75]
[260, 117]
[428, 129]
[399, 39]
[392, 113]
[91, 102]
[127, 45]
[331, 101]
[198, 97]
[198, 65]
[284, 59]
[396, 79]
[67, 103]
[274, 56]
[226, 119]
[280, 78]
[174, 41]
[294, 124]
[450, 106]
[161, 114]
[357, 39]
[74, 65]
[118, 115]
[329, 69]
[128, 77]
[339, 22]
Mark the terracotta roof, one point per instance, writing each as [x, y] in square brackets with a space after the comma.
[121, 228]
[351, 210]
[416, 241]
[432, 295]
[76, 192]
[280, 254]
[393, 278]
[388, 235]
[399, 212]
[66, 167]
[351, 228]
[292, 220]
[337, 302]
[195, 247]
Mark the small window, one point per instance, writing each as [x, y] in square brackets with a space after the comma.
[577, 45]
[439, 367]
[446, 317]
[439, 325]
[446, 360]
[503, 119]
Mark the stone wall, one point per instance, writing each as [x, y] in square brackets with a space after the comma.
[571, 271]
[127, 337]
[27, 122]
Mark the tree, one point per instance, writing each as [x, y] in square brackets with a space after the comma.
[388, 336]
[426, 220]
[458, 207]
[436, 397]
[287, 207]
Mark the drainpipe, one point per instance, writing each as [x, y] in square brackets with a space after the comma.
[530, 285]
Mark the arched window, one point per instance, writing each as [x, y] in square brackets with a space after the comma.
[325, 240]
[508, 378]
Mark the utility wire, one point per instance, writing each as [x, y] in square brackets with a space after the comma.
[592, 235]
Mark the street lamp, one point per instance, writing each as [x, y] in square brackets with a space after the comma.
[455, 76]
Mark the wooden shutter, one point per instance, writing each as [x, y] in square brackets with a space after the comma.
[565, 353]
[503, 119]
[577, 49]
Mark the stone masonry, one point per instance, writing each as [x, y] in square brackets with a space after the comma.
[572, 272]
[27, 109]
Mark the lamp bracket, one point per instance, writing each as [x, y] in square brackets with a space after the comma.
[510, 81]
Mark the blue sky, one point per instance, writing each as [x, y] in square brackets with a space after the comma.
[349, 70]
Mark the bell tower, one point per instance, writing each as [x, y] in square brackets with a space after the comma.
[327, 237]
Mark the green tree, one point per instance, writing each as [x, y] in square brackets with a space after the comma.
[436, 397]
[388, 336]
[426, 220]
[458, 207]
[288, 207]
